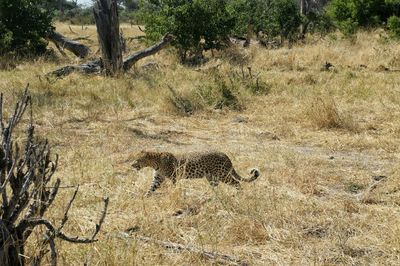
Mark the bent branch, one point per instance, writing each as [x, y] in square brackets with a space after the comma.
[62, 42]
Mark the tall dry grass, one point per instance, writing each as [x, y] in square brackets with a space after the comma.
[307, 207]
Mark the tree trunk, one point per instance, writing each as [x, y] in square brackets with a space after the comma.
[302, 12]
[107, 24]
[75, 47]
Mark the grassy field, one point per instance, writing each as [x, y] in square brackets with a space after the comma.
[319, 137]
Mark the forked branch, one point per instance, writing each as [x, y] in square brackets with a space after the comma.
[27, 191]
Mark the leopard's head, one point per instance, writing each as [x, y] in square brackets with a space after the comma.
[143, 159]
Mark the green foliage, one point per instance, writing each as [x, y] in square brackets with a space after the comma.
[318, 23]
[5, 39]
[283, 19]
[393, 25]
[130, 5]
[23, 24]
[79, 16]
[198, 25]
[271, 17]
[349, 15]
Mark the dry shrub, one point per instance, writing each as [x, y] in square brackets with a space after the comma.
[236, 56]
[248, 231]
[7, 64]
[179, 103]
[220, 94]
[324, 113]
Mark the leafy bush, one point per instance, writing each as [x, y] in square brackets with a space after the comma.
[349, 15]
[79, 16]
[393, 25]
[24, 23]
[273, 18]
[5, 39]
[318, 23]
[198, 25]
[283, 19]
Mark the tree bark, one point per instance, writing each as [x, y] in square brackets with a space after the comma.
[303, 13]
[75, 47]
[107, 24]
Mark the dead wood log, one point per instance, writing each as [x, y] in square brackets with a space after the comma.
[91, 67]
[75, 47]
[193, 249]
[96, 66]
[215, 256]
[107, 24]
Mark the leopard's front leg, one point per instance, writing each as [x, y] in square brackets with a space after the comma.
[157, 181]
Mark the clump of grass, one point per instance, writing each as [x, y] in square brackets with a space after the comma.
[181, 104]
[7, 63]
[250, 81]
[236, 56]
[324, 113]
[220, 94]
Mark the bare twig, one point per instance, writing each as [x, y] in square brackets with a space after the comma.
[130, 39]
[87, 37]
[71, 30]
[65, 218]
[102, 217]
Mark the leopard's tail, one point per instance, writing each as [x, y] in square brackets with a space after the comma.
[254, 174]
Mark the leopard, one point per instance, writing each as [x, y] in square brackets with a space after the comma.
[215, 166]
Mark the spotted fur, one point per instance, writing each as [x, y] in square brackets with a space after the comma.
[214, 166]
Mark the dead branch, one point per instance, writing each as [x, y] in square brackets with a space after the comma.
[130, 39]
[91, 67]
[86, 38]
[61, 50]
[70, 29]
[215, 256]
[96, 66]
[132, 59]
[27, 191]
[75, 47]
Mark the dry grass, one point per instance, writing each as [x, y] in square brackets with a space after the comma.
[305, 208]
[324, 113]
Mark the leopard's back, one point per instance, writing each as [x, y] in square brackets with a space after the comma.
[211, 164]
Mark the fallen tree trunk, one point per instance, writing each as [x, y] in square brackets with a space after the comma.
[91, 67]
[96, 66]
[75, 47]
